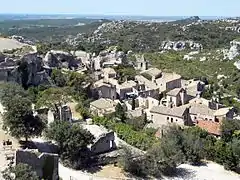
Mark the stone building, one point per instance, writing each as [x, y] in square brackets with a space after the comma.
[176, 97]
[104, 140]
[162, 116]
[103, 106]
[142, 64]
[169, 81]
[45, 164]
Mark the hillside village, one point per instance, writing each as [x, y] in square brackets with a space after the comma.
[112, 104]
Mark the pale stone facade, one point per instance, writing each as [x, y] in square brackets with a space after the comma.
[104, 139]
[103, 106]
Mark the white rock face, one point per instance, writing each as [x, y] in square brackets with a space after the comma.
[237, 64]
[180, 45]
[234, 50]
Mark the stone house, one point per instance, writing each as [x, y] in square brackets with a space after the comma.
[141, 63]
[104, 139]
[45, 164]
[109, 73]
[153, 73]
[213, 126]
[161, 116]
[102, 89]
[147, 88]
[193, 87]
[103, 106]
[168, 81]
[147, 103]
[176, 97]
[127, 88]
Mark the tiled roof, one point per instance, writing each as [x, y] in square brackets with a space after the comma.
[176, 111]
[222, 111]
[153, 72]
[174, 92]
[128, 84]
[103, 103]
[109, 71]
[200, 109]
[210, 126]
[146, 82]
[168, 77]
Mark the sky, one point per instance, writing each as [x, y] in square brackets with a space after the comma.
[124, 7]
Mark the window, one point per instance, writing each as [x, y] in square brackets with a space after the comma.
[176, 120]
[206, 119]
[171, 120]
[216, 120]
[167, 118]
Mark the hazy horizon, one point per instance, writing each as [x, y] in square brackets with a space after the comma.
[124, 7]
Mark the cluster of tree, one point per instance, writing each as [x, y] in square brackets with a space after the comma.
[77, 86]
[141, 139]
[20, 172]
[18, 117]
[125, 72]
[190, 145]
[47, 30]
[72, 141]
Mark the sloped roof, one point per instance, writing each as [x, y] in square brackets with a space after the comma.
[103, 103]
[222, 111]
[210, 126]
[153, 72]
[176, 111]
[174, 92]
[109, 71]
[168, 77]
[201, 109]
[128, 84]
[146, 82]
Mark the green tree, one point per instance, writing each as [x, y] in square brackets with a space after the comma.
[10, 90]
[163, 158]
[72, 141]
[54, 99]
[58, 78]
[132, 163]
[20, 121]
[20, 172]
[120, 112]
[228, 128]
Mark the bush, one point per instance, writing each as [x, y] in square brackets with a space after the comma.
[139, 139]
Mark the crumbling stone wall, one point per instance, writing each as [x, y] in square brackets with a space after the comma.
[45, 164]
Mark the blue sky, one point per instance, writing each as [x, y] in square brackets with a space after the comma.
[124, 7]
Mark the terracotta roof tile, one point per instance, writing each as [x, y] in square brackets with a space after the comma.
[210, 127]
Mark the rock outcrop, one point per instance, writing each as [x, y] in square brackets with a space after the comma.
[60, 59]
[180, 45]
[234, 50]
[237, 64]
[30, 71]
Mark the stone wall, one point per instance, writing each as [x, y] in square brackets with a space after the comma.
[45, 164]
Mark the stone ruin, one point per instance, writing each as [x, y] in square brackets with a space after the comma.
[45, 164]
